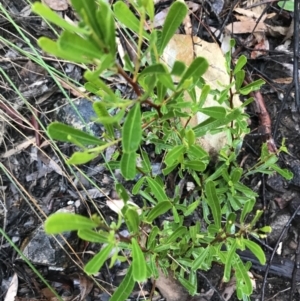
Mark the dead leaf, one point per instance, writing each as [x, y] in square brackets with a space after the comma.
[246, 27]
[58, 5]
[183, 48]
[13, 288]
[86, 285]
[19, 147]
[117, 206]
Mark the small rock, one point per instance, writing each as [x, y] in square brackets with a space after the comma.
[43, 249]
[278, 223]
[68, 115]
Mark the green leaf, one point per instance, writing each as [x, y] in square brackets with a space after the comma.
[54, 18]
[87, 10]
[132, 220]
[132, 129]
[151, 241]
[158, 210]
[197, 152]
[190, 137]
[154, 69]
[70, 42]
[178, 68]
[248, 206]
[128, 165]
[196, 69]
[101, 111]
[242, 61]
[52, 47]
[196, 165]
[146, 162]
[214, 112]
[122, 192]
[127, 18]
[200, 258]
[125, 288]
[175, 16]
[251, 87]
[157, 190]
[137, 187]
[173, 154]
[229, 257]
[190, 287]
[213, 202]
[191, 208]
[239, 79]
[139, 266]
[236, 174]
[61, 222]
[93, 236]
[287, 5]
[287, 174]
[95, 264]
[179, 232]
[61, 131]
[256, 250]
[106, 24]
[204, 94]
[78, 158]
[203, 128]
[242, 277]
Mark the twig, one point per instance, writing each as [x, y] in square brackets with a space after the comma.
[265, 121]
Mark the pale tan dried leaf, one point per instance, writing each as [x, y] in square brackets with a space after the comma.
[117, 206]
[13, 288]
[19, 147]
[248, 13]
[58, 5]
[246, 27]
[279, 31]
[259, 8]
[86, 285]
[187, 24]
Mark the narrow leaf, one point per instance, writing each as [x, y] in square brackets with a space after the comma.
[78, 158]
[197, 68]
[215, 112]
[101, 111]
[54, 18]
[256, 250]
[200, 259]
[213, 202]
[52, 47]
[132, 130]
[95, 264]
[61, 222]
[228, 263]
[127, 18]
[125, 287]
[132, 220]
[159, 209]
[61, 131]
[139, 266]
[128, 165]
[173, 154]
[157, 190]
[175, 16]
[93, 236]
[179, 232]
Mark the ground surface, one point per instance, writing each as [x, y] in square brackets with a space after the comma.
[34, 185]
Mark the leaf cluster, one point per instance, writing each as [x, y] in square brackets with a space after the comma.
[225, 203]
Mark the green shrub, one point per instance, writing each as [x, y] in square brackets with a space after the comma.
[226, 203]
